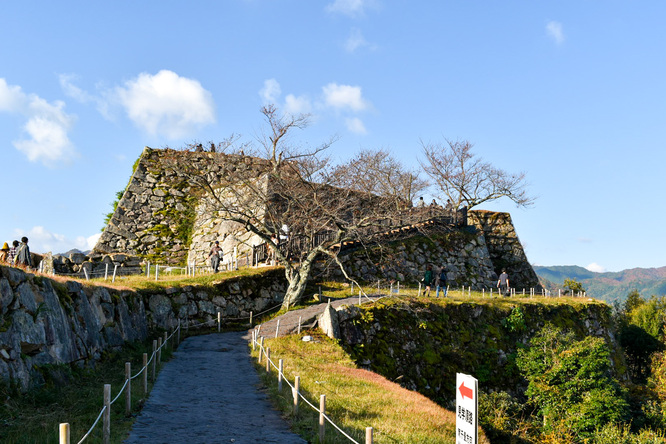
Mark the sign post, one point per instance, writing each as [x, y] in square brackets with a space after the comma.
[467, 409]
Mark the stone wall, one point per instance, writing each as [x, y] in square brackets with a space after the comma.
[473, 256]
[424, 344]
[162, 219]
[504, 248]
[48, 322]
[464, 256]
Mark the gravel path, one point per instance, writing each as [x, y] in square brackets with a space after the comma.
[207, 394]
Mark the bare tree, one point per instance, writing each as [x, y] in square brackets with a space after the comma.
[468, 180]
[378, 172]
[288, 189]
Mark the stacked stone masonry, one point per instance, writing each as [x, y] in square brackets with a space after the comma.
[44, 322]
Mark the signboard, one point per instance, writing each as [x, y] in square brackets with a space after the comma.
[467, 408]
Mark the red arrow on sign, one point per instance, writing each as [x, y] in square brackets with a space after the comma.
[466, 391]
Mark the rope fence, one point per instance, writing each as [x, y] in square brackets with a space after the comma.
[386, 288]
[105, 412]
[297, 395]
[393, 288]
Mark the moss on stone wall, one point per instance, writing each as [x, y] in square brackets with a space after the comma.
[424, 343]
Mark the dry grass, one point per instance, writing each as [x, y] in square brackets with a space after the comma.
[355, 398]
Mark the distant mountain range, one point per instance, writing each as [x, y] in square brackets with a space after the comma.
[611, 286]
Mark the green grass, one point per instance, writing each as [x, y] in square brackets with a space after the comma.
[75, 396]
[355, 398]
[143, 282]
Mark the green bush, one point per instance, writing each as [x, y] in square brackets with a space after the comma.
[569, 383]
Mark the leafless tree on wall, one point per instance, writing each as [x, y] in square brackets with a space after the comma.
[467, 180]
[292, 187]
[378, 172]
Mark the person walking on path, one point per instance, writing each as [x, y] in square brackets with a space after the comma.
[208, 394]
[440, 282]
[23, 257]
[503, 283]
[214, 256]
[427, 280]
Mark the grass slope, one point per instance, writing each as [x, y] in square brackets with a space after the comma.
[355, 398]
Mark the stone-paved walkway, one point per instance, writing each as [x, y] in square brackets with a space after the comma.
[208, 393]
[289, 320]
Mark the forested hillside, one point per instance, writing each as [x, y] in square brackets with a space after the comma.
[610, 286]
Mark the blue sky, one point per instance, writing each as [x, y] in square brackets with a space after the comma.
[573, 93]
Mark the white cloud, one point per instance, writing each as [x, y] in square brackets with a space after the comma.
[271, 91]
[41, 240]
[12, 99]
[355, 40]
[352, 8]
[167, 104]
[355, 125]
[596, 268]
[344, 97]
[47, 125]
[76, 93]
[555, 32]
[297, 105]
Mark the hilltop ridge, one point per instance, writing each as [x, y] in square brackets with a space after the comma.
[607, 286]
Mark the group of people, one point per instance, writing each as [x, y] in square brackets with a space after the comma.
[18, 254]
[436, 278]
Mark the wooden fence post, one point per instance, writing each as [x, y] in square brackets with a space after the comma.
[106, 418]
[165, 339]
[128, 393]
[154, 357]
[277, 328]
[322, 420]
[300, 318]
[219, 321]
[268, 360]
[159, 350]
[261, 349]
[280, 368]
[178, 335]
[295, 392]
[64, 433]
[368, 435]
[250, 319]
[145, 374]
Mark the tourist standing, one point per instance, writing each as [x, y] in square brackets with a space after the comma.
[503, 283]
[215, 256]
[4, 253]
[11, 256]
[440, 282]
[427, 280]
[23, 257]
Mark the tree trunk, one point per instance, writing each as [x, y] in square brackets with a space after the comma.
[297, 279]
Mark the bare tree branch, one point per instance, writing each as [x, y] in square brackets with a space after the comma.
[466, 180]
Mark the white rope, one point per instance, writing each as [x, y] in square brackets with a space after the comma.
[139, 374]
[93, 426]
[121, 391]
[304, 398]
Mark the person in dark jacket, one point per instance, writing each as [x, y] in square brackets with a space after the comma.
[427, 280]
[440, 282]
